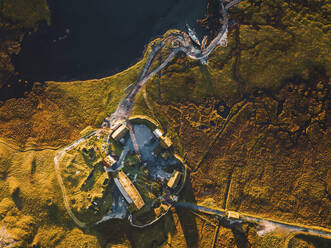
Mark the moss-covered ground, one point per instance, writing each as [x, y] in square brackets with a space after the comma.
[253, 125]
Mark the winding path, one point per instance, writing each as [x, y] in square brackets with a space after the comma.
[266, 225]
[57, 158]
[185, 45]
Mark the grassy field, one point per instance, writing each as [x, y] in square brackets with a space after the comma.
[253, 126]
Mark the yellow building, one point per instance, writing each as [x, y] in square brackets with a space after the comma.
[174, 179]
[232, 215]
[120, 132]
[165, 142]
[109, 161]
[128, 190]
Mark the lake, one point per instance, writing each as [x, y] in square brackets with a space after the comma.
[92, 39]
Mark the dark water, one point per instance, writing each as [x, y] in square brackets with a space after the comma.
[96, 38]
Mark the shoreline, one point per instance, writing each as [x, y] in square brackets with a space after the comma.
[116, 63]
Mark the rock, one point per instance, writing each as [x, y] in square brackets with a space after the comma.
[6, 239]
[20, 227]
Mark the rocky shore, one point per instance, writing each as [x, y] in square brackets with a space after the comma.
[17, 17]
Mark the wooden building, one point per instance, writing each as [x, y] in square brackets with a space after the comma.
[120, 132]
[128, 190]
[174, 179]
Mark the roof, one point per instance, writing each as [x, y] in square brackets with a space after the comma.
[157, 133]
[233, 215]
[120, 132]
[115, 124]
[109, 161]
[174, 179]
[131, 193]
[165, 142]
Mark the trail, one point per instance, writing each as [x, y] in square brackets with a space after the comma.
[234, 111]
[39, 149]
[200, 208]
[133, 139]
[186, 46]
[265, 225]
[217, 229]
[227, 190]
[57, 172]
[57, 158]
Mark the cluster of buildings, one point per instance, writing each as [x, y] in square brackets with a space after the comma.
[127, 188]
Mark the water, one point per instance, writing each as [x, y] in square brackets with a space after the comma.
[92, 39]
